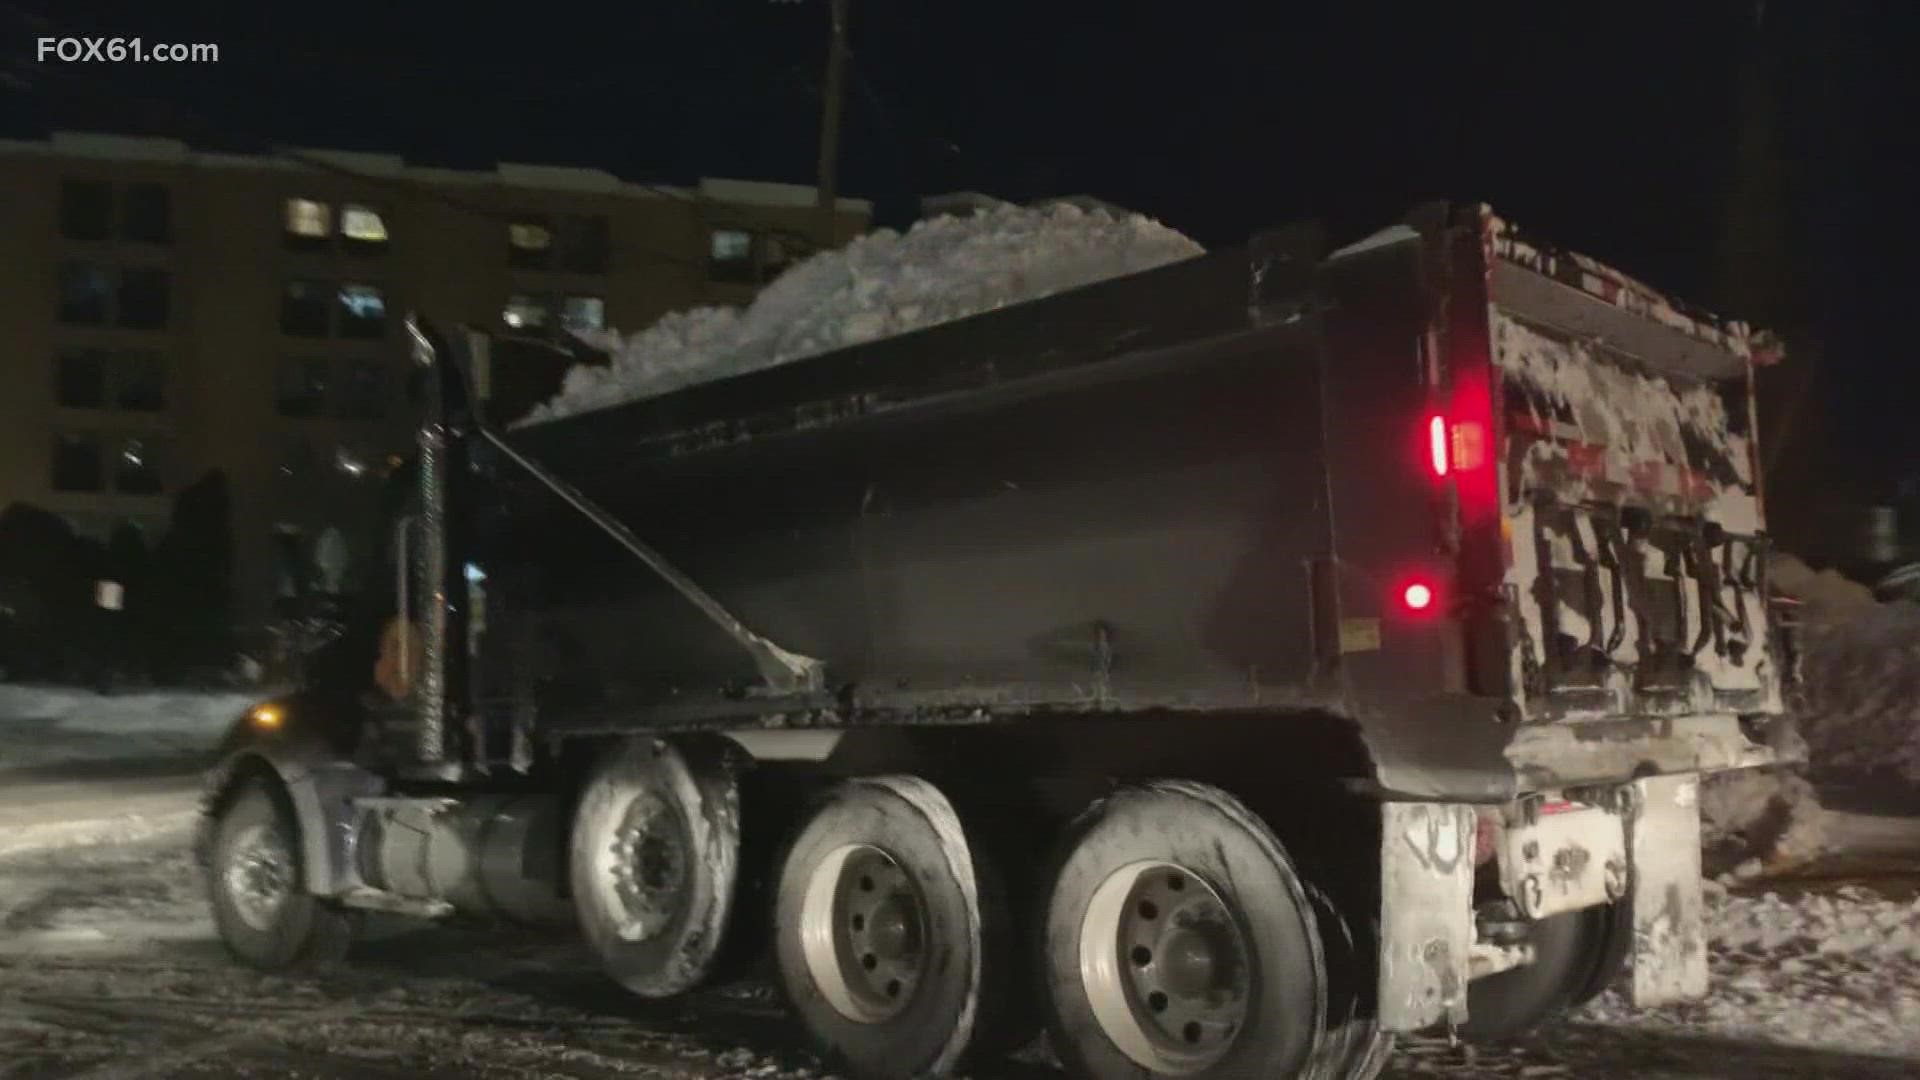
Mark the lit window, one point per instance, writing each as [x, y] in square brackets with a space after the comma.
[363, 227]
[76, 463]
[584, 313]
[308, 222]
[526, 312]
[363, 311]
[136, 468]
[348, 463]
[303, 308]
[80, 379]
[529, 243]
[730, 256]
[143, 298]
[86, 293]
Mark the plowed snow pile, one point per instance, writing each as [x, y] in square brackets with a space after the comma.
[1863, 690]
[882, 284]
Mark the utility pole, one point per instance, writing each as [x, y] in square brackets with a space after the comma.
[827, 187]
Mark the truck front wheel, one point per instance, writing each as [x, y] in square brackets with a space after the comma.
[654, 855]
[1180, 942]
[261, 906]
[878, 930]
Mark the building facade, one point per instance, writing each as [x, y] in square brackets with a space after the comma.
[166, 311]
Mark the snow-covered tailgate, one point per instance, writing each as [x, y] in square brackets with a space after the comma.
[1631, 511]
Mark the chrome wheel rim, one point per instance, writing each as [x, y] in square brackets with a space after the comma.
[863, 933]
[1166, 967]
[259, 875]
[645, 868]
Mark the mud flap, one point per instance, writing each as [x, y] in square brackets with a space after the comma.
[1426, 913]
[1669, 927]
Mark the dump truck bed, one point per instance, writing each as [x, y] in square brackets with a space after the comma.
[1207, 487]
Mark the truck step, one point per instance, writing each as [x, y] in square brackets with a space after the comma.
[371, 899]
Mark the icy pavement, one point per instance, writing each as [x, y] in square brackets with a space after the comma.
[108, 968]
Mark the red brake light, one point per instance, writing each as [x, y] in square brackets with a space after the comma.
[1437, 440]
[1417, 596]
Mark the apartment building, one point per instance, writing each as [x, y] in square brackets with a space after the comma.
[165, 311]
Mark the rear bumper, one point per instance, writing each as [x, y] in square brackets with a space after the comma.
[1456, 749]
[1428, 932]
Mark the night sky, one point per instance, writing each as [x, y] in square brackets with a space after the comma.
[1758, 166]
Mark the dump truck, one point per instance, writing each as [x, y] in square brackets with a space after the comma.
[1230, 665]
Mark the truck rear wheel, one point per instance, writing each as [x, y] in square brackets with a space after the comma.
[654, 856]
[1180, 942]
[878, 930]
[257, 882]
[1568, 951]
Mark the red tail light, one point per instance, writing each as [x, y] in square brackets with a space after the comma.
[1438, 457]
[1417, 596]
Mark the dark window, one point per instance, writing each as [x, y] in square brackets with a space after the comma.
[304, 307]
[147, 214]
[363, 229]
[781, 250]
[584, 313]
[529, 243]
[86, 293]
[136, 468]
[143, 297]
[139, 380]
[309, 224]
[300, 386]
[80, 378]
[76, 462]
[583, 243]
[363, 311]
[363, 390]
[86, 210]
[730, 256]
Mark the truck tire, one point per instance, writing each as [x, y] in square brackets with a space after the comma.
[879, 932]
[1181, 942]
[1567, 951]
[258, 886]
[1354, 1047]
[653, 858]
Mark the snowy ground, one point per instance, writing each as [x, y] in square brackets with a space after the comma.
[42, 725]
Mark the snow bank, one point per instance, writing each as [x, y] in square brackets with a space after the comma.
[1862, 672]
[881, 284]
[45, 725]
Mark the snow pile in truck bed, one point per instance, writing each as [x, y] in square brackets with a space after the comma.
[881, 284]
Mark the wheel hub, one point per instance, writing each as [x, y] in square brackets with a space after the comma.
[259, 876]
[648, 865]
[863, 930]
[1165, 967]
